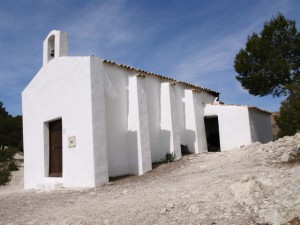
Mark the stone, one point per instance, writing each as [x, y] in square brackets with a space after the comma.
[246, 178]
[170, 205]
[294, 156]
[163, 210]
[92, 193]
[193, 209]
[284, 158]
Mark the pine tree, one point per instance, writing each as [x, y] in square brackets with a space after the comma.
[270, 63]
[289, 118]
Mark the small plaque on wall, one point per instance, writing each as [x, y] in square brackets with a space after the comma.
[72, 142]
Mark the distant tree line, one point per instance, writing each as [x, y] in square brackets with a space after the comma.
[11, 133]
[11, 142]
[270, 64]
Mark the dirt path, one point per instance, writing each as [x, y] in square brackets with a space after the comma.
[246, 186]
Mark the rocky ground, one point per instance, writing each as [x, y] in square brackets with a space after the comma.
[256, 184]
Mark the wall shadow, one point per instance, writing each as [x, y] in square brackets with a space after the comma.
[165, 142]
[132, 152]
[190, 139]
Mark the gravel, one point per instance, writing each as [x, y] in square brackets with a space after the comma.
[255, 184]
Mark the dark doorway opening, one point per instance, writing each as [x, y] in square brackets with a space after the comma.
[212, 133]
[55, 148]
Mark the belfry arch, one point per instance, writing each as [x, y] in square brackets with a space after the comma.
[55, 45]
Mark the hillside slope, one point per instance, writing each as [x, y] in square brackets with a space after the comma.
[256, 184]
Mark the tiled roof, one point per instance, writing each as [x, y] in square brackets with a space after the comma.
[164, 77]
[248, 106]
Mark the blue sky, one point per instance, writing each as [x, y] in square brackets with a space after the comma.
[192, 40]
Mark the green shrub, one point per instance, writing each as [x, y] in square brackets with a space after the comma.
[7, 164]
[169, 157]
[7, 154]
[4, 176]
[12, 166]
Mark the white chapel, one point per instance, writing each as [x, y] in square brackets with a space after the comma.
[87, 119]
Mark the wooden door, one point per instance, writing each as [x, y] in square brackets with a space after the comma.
[55, 145]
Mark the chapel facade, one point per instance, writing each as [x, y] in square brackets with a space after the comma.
[87, 119]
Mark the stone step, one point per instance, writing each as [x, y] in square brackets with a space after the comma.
[50, 184]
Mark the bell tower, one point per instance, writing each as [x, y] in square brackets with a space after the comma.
[55, 45]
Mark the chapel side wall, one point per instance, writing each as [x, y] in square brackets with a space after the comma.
[194, 122]
[179, 90]
[260, 125]
[98, 120]
[234, 129]
[207, 98]
[117, 80]
[162, 140]
[180, 103]
[153, 89]
[61, 89]
[201, 135]
[116, 109]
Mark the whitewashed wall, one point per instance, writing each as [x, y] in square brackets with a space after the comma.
[116, 100]
[194, 122]
[127, 123]
[234, 128]
[138, 139]
[152, 89]
[62, 89]
[207, 98]
[165, 113]
[173, 119]
[99, 130]
[180, 101]
[260, 125]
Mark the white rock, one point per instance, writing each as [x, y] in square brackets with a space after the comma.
[170, 205]
[193, 209]
[284, 158]
[163, 210]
